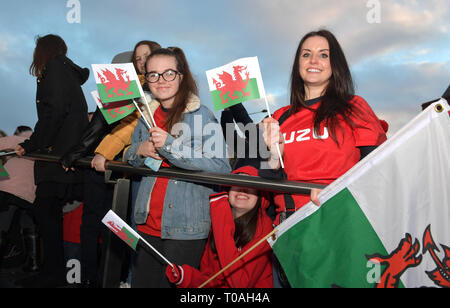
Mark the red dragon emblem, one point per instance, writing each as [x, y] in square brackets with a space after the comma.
[441, 275]
[405, 257]
[232, 85]
[117, 83]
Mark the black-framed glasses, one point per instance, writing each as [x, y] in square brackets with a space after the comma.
[168, 75]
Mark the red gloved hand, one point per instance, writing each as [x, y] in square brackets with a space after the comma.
[174, 273]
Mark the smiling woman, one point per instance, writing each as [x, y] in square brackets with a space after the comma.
[173, 215]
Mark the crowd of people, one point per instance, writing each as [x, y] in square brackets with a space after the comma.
[201, 228]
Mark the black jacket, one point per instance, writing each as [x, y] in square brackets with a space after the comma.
[62, 117]
[94, 133]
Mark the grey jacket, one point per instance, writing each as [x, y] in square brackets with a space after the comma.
[196, 143]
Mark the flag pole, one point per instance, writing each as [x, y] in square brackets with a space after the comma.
[142, 115]
[278, 145]
[146, 103]
[238, 258]
[6, 154]
[157, 252]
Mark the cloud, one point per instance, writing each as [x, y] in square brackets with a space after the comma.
[405, 56]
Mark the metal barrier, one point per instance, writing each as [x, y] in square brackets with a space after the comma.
[114, 252]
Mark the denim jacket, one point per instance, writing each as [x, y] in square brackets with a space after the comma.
[198, 146]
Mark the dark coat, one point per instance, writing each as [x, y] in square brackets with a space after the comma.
[62, 118]
[97, 129]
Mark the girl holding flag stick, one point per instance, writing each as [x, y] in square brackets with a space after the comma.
[173, 216]
[234, 250]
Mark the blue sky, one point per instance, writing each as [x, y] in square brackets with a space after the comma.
[397, 64]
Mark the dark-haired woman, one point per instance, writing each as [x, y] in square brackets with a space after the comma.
[324, 131]
[62, 118]
[239, 221]
[173, 215]
[327, 128]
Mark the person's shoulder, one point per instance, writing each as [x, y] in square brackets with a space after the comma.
[55, 62]
[277, 114]
[206, 113]
[358, 100]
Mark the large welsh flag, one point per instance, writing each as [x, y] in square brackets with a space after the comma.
[235, 82]
[116, 82]
[385, 223]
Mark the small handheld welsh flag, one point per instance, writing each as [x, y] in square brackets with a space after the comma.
[3, 173]
[121, 229]
[235, 82]
[127, 234]
[116, 82]
[114, 111]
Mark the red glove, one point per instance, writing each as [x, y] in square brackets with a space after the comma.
[174, 274]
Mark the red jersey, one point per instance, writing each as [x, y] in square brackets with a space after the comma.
[316, 158]
[158, 193]
[252, 271]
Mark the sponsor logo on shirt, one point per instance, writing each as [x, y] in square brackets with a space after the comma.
[304, 135]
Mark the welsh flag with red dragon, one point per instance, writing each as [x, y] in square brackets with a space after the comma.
[116, 82]
[235, 83]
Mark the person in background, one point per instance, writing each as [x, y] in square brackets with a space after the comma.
[173, 215]
[141, 51]
[62, 119]
[239, 221]
[326, 129]
[17, 194]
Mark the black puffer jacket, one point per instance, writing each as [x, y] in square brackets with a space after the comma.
[62, 117]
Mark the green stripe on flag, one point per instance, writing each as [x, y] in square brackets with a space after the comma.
[251, 89]
[130, 239]
[122, 94]
[329, 247]
[116, 114]
[3, 172]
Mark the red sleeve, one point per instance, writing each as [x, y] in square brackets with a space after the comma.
[368, 130]
[277, 114]
[193, 278]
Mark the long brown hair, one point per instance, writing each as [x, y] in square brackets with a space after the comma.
[151, 44]
[47, 47]
[339, 92]
[187, 87]
[244, 227]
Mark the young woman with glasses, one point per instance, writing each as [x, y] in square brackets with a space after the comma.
[173, 215]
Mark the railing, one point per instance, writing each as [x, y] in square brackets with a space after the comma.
[114, 252]
[197, 176]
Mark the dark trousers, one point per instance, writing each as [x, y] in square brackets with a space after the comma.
[49, 218]
[149, 270]
[10, 205]
[97, 202]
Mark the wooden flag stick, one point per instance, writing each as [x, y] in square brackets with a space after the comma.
[278, 145]
[146, 103]
[238, 258]
[142, 115]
